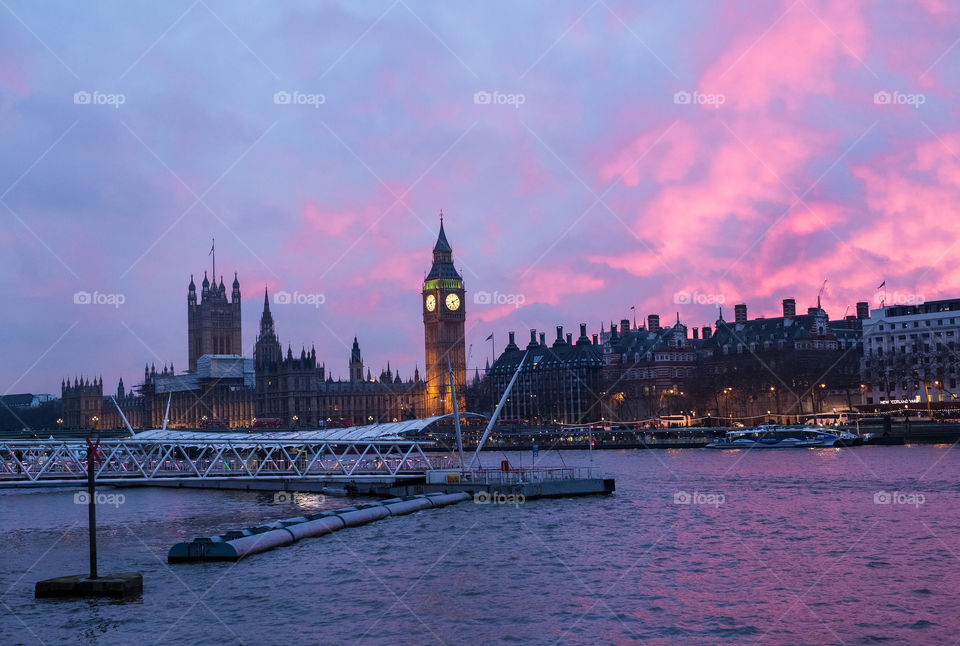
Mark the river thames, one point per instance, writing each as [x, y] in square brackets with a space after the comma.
[846, 546]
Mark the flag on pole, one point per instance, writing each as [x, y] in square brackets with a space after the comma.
[489, 338]
[882, 285]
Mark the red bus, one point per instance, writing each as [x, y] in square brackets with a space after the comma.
[267, 422]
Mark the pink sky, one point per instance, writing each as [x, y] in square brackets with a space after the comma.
[586, 186]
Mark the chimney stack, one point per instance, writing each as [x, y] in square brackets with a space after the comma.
[624, 325]
[596, 341]
[512, 341]
[696, 333]
[789, 307]
[584, 339]
[863, 310]
[543, 339]
[707, 332]
[653, 322]
[613, 331]
[560, 333]
[740, 313]
[569, 338]
[533, 336]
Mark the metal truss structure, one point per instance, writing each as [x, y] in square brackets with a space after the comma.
[141, 461]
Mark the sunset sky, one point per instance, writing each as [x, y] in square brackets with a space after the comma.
[630, 155]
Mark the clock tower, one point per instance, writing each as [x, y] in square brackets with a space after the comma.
[443, 306]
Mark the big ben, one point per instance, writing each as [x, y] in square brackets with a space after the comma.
[443, 305]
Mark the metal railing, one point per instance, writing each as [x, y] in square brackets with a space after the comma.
[523, 475]
[134, 460]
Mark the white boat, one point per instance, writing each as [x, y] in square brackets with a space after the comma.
[776, 437]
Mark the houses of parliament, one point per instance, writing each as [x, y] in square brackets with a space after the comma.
[282, 389]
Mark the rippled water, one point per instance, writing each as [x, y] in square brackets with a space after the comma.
[785, 547]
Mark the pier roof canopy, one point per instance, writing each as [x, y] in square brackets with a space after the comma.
[371, 432]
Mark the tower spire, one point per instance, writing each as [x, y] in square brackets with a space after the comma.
[442, 245]
[213, 252]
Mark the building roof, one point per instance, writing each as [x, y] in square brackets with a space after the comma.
[766, 330]
[17, 401]
[443, 260]
[546, 357]
[641, 341]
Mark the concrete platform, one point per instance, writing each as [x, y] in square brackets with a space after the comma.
[529, 490]
[117, 586]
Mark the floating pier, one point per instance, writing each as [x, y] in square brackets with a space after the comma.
[118, 586]
[235, 545]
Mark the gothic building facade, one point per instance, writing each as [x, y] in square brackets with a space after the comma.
[221, 388]
[443, 325]
[560, 383]
[213, 322]
[297, 392]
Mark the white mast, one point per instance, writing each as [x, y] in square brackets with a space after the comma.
[496, 413]
[166, 415]
[120, 410]
[456, 414]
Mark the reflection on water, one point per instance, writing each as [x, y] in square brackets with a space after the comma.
[808, 546]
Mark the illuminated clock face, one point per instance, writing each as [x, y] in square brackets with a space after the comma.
[453, 302]
[431, 303]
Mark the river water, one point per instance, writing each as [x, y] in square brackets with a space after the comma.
[851, 546]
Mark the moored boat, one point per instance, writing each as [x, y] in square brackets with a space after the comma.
[776, 437]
